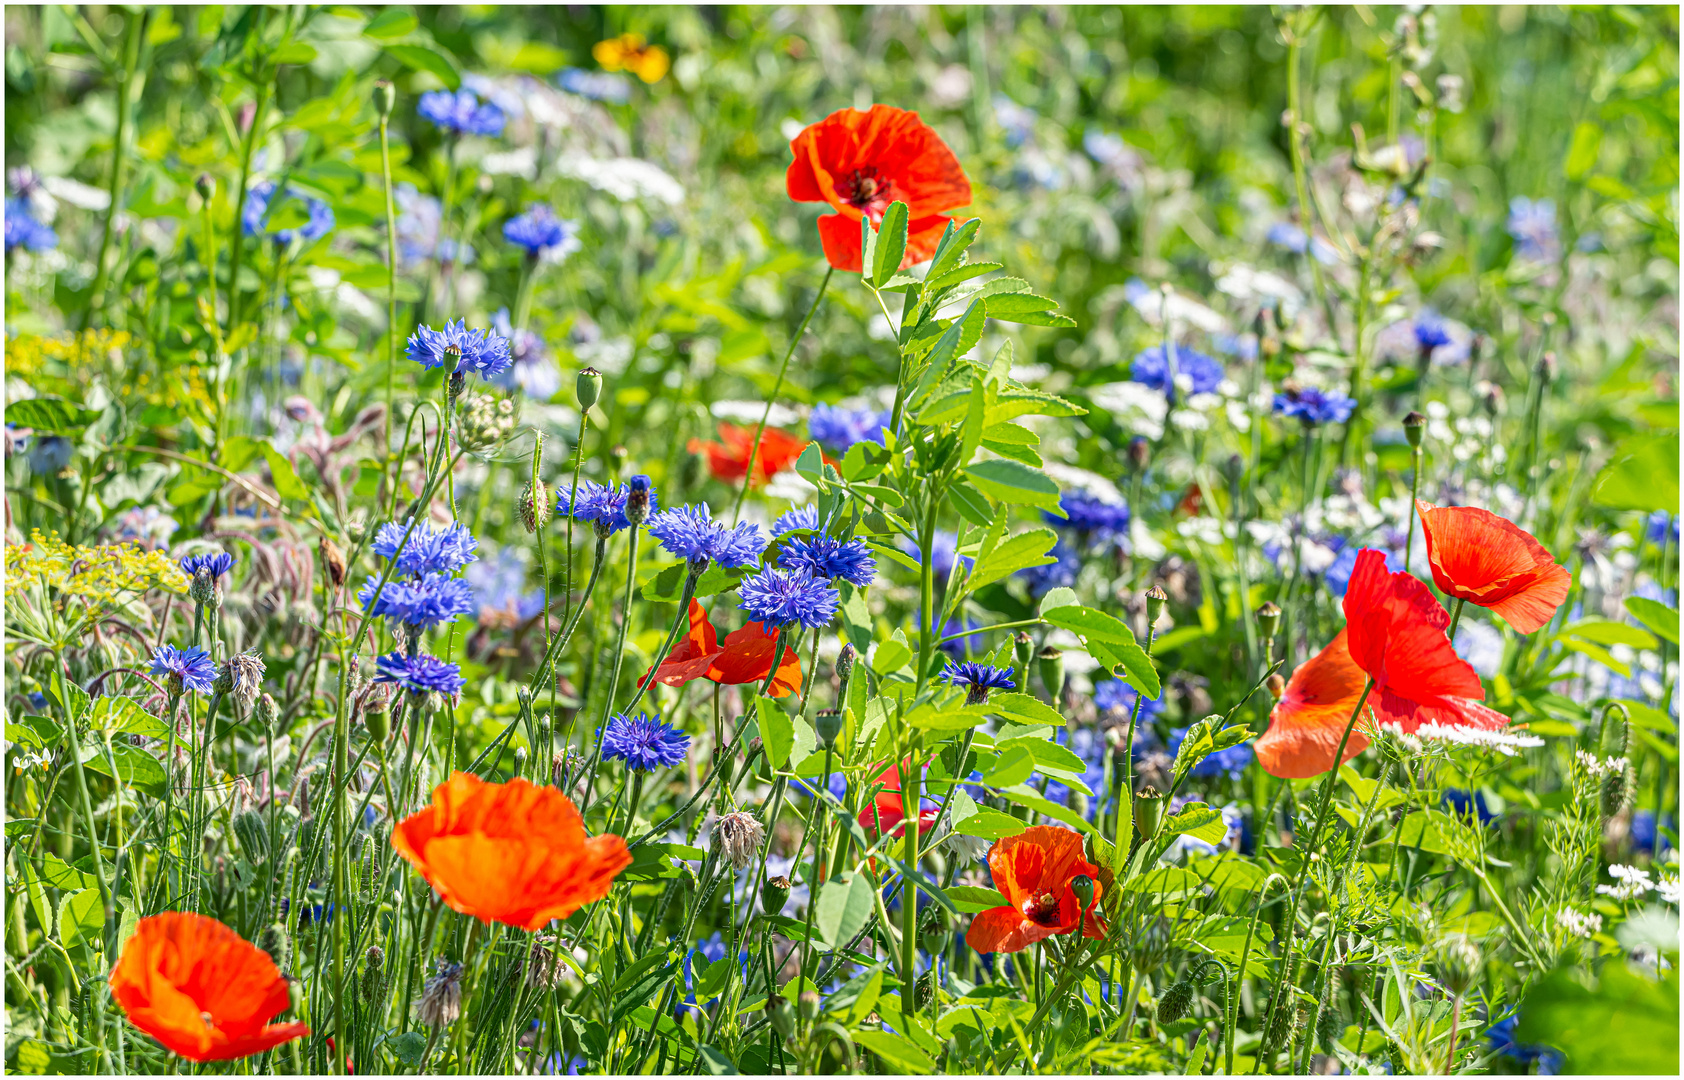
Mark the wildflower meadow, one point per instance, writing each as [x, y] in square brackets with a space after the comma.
[787, 540]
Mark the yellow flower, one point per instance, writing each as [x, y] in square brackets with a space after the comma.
[628, 52]
[94, 576]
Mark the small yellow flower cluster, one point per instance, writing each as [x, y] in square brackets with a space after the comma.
[95, 576]
[628, 52]
[31, 354]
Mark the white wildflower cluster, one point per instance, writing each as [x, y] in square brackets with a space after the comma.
[1630, 882]
[1597, 768]
[1578, 923]
[1668, 889]
[1503, 741]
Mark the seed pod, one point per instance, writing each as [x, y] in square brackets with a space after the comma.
[1413, 426]
[774, 894]
[1050, 661]
[377, 714]
[1268, 619]
[1023, 651]
[1156, 598]
[827, 724]
[588, 387]
[1148, 812]
[385, 98]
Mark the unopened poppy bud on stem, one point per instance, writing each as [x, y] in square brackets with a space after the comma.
[1176, 1002]
[205, 184]
[1413, 427]
[1156, 598]
[1082, 886]
[1277, 685]
[1023, 650]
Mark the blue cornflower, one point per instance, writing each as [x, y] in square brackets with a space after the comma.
[841, 428]
[1430, 330]
[419, 674]
[1194, 371]
[192, 668]
[1288, 235]
[1231, 761]
[802, 517]
[777, 598]
[690, 533]
[421, 604]
[1660, 524]
[978, 679]
[22, 230]
[595, 85]
[1060, 573]
[1091, 517]
[1115, 695]
[827, 557]
[1500, 1037]
[49, 454]
[643, 742]
[1532, 224]
[1315, 406]
[468, 350]
[218, 563]
[1645, 833]
[543, 234]
[1464, 803]
[430, 550]
[255, 214]
[461, 112]
[601, 504]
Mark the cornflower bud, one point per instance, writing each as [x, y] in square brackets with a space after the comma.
[1268, 619]
[205, 184]
[203, 589]
[535, 506]
[588, 388]
[1050, 661]
[1459, 964]
[385, 98]
[774, 894]
[828, 726]
[1139, 453]
[1156, 598]
[637, 500]
[1414, 426]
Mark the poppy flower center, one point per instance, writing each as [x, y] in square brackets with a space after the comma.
[868, 191]
[1041, 908]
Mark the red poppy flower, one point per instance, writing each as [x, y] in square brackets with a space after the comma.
[1395, 630]
[1307, 722]
[1033, 870]
[745, 657]
[728, 458]
[1490, 561]
[886, 815]
[511, 853]
[863, 162]
[201, 989]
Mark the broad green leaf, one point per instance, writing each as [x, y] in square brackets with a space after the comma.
[408, 1047]
[777, 731]
[1013, 767]
[810, 465]
[33, 889]
[58, 874]
[1026, 796]
[287, 483]
[891, 244]
[951, 249]
[1643, 477]
[844, 905]
[391, 23]
[970, 503]
[1624, 1023]
[294, 52]
[1655, 615]
[890, 656]
[988, 824]
[1198, 821]
[946, 721]
[1608, 632]
[668, 585]
[422, 58]
[81, 917]
[962, 272]
[857, 997]
[1026, 549]
[977, 897]
[1110, 642]
[124, 716]
[1023, 707]
[135, 767]
[1014, 482]
[1581, 154]
[53, 415]
[1057, 598]
[895, 1051]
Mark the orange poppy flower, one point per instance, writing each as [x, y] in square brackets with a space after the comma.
[728, 458]
[1306, 723]
[887, 813]
[861, 163]
[1395, 631]
[1033, 870]
[628, 52]
[511, 853]
[201, 989]
[745, 657]
[1490, 561]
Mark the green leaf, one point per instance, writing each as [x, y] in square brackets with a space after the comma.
[390, 23]
[891, 244]
[1013, 482]
[134, 767]
[37, 895]
[668, 585]
[52, 415]
[58, 874]
[81, 917]
[987, 824]
[715, 1062]
[1581, 154]
[1608, 632]
[1029, 548]
[1655, 615]
[890, 656]
[294, 52]
[895, 1051]
[1110, 642]
[124, 716]
[1626, 1023]
[1643, 477]
[287, 483]
[1029, 797]
[1024, 708]
[844, 904]
[1199, 821]
[421, 58]
[946, 721]
[977, 897]
[951, 249]
[639, 982]
[1013, 767]
[970, 503]
[962, 272]
[408, 1047]
[777, 731]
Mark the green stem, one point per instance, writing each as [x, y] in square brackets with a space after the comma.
[391, 291]
[108, 937]
[238, 248]
[136, 25]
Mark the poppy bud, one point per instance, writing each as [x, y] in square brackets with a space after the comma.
[781, 1015]
[808, 1005]
[1459, 964]
[1139, 452]
[1148, 811]
[1615, 787]
[385, 98]
[774, 894]
[1277, 685]
[1412, 428]
[588, 388]
[1176, 1002]
[374, 975]
[1235, 468]
[535, 506]
[1156, 598]
[1268, 619]
[1546, 368]
[274, 942]
[1082, 886]
[1490, 395]
[1050, 661]
[205, 184]
[1023, 649]
[926, 991]
[828, 726]
[637, 500]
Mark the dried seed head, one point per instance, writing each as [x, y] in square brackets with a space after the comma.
[544, 969]
[333, 560]
[244, 672]
[441, 998]
[737, 837]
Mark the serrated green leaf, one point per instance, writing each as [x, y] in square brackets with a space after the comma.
[891, 244]
[1655, 615]
[81, 917]
[1025, 709]
[777, 731]
[1110, 642]
[1198, 821]
[52, 415]
[1025, 549]
[667, 586]
[1014, 482]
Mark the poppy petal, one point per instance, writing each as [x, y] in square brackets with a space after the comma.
[996, 930]
[839, 235]
[747, 658]
[1541, 594]
[1307, 722]
[1488, 560]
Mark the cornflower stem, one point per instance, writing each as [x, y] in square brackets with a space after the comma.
[816, 827]
[672, 634]
[169, 796]
[619, 657]
[777, 654]
[135, 26]
[572, 500]
[777, 385]
[538, 513]
[1409, 511]
[87, 807]
[391, 291]
[1278, 998]
[524, 291]
[911, 793]
[1125, 790]
[927, 589]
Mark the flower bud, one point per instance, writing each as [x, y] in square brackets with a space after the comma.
[1459, 964]
[1050, 661]
[205, 184]
[782, 1015]
[1413, 426]
[1176, 1003]
[1082, 886]
[1268, 619]
[926, 990]
[385, 98]
[203, 588]
[458, 380]
[774, 894]
[637, 500]
[1148, 811]
[808, 1005]
[535, 506]
[1490, 396]
[588, 388]
[1234, 467]
[1023, 650]
[828, 726]
[1276, 684]
[274, 942]
[1139, 453]
[1156, 598]
[374, 975]
[1546, 367]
